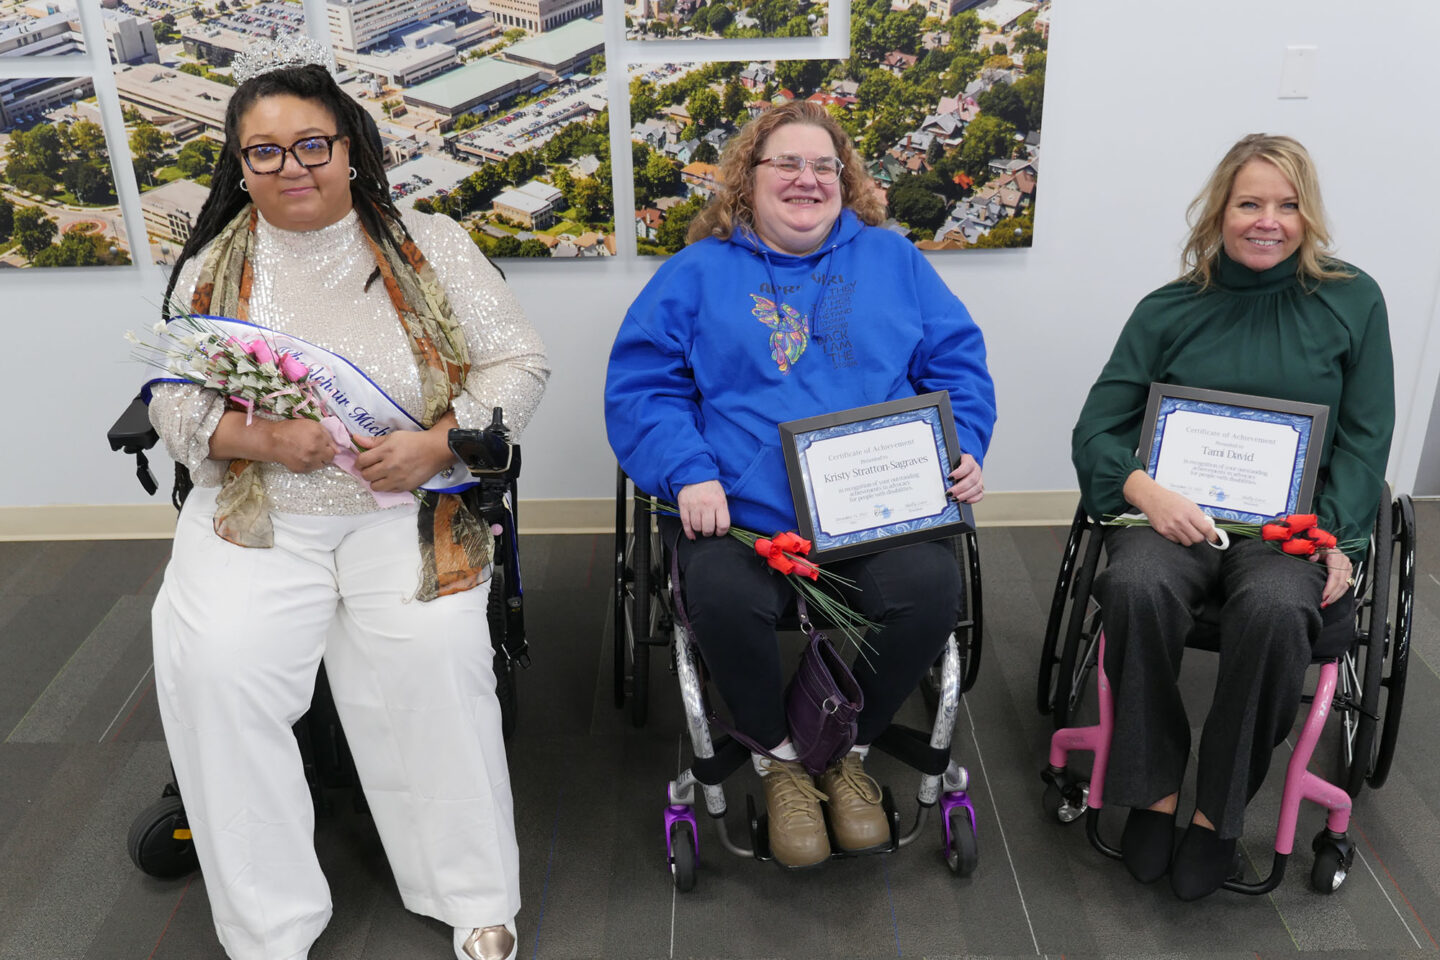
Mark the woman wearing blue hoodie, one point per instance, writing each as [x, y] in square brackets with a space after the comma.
[789, 303]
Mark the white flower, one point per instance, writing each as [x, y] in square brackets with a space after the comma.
[130, 335]
[159, 328]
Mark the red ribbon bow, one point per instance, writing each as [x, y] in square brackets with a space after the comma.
[782, 552]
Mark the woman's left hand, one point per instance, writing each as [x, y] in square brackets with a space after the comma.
[1339, 576]
[967, 485]
[401, 460]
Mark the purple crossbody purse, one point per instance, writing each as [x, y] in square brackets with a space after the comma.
[822, 702]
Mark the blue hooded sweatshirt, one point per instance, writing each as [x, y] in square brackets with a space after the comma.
[731, 338]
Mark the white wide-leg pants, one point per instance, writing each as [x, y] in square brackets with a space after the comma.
[239, 634]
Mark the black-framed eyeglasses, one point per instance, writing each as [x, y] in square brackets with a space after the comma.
[790, 165]
[313, 151]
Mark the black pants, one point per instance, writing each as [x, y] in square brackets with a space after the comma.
[1150, 593]
[734, 600]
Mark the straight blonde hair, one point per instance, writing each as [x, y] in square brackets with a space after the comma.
[1206, 213]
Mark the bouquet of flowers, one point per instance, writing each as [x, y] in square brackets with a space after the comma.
[252, 376]
[1297, 535]
[249, 374]
[786, 552]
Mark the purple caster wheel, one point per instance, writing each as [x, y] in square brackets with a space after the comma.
[682, 845]
[957, 825]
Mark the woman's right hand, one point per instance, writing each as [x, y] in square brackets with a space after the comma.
[301, 446]
[1173, 516]
[703, 509]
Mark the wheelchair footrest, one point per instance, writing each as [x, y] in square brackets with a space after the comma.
[912, 748]
[730, 755]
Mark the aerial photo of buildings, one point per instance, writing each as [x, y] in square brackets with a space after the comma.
[491, 111]
[495, 113]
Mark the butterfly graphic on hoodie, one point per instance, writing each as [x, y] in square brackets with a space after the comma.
[788, 331]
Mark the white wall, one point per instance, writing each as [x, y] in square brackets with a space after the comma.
[1141, 101]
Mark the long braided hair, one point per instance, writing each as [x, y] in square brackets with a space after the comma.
[369, 190]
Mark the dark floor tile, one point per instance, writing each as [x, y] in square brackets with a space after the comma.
[589, 791]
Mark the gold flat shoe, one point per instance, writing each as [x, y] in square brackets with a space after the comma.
[486, 943]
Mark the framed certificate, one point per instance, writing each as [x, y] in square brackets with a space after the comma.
[875, 477]
[1239, 457]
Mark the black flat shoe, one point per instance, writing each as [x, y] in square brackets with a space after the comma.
[1146, 844]
[1202, 864]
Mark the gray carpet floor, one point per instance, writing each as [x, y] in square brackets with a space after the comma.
[82, 753]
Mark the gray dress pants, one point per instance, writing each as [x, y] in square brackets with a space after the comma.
[1150, 593]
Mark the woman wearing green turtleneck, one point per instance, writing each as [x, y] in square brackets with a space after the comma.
[1260, 309]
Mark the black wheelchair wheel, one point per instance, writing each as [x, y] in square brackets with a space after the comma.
[1331, 864]
[1404, 523]
[1045, 682]
[638, 616]
[622, 584]
[1365, 663]
[682, 856]
[963, 854]
[970, 631]
[159, 841]
[505, 678]
[1082, 633]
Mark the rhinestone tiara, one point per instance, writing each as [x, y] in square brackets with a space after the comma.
[286, 50]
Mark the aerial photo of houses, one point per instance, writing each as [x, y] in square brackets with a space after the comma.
[494, 113]
[944, 99]
[695, 19]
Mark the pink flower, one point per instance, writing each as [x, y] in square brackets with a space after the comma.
[292, 369]
[260, 350]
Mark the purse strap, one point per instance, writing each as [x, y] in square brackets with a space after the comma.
[710, 716]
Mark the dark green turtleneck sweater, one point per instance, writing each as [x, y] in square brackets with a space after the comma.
[1261, 333]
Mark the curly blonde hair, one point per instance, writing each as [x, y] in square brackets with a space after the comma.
[1206, 214]
[732, 204]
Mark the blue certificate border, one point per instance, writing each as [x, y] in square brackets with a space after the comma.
[798, 436]
[1306, 419]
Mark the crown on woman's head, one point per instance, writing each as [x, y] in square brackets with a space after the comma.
[285, 50]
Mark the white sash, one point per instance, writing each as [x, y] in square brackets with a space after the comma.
[348, 393]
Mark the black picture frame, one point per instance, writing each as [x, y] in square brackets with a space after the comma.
[831, 508]
[1221, 410]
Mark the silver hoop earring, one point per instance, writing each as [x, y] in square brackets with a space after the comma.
[244, 186]
[352, 173]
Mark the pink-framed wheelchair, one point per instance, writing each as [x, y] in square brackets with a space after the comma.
[1362, 654]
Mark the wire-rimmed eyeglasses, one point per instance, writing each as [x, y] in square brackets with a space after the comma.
[312, 151]
[790, 165]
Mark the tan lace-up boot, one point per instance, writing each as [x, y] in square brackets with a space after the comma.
[797, 827]
[856, 814]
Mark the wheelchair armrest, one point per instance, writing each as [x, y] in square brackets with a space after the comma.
[132, 432]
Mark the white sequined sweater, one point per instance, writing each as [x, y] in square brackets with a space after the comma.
[311, 284]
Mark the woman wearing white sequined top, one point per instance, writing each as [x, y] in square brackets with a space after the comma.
[282, 560]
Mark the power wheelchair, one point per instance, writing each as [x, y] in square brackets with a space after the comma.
[648, 614]
[159, 840]
[1363, 654]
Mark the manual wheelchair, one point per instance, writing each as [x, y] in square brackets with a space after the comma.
[159, 840]
[1362, 651]
[648, 613]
